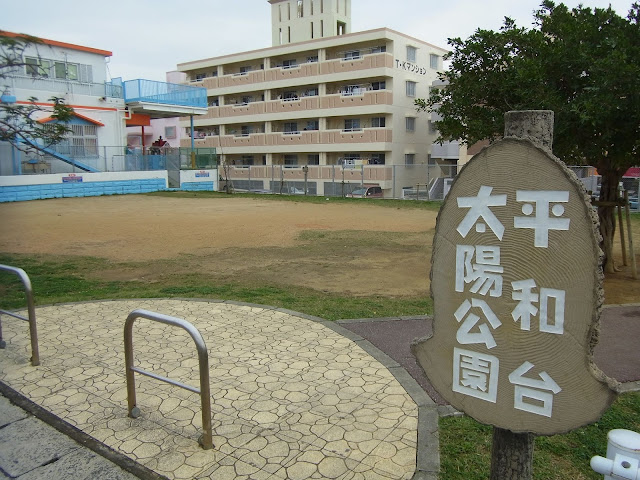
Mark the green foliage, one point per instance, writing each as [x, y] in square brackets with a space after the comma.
[19, 121]
[583, 64]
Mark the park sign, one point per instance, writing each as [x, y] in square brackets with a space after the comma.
[516, 281]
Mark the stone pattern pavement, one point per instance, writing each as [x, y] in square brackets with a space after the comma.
[291, 398]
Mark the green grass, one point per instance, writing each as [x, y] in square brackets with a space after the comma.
[465, 445]
[379, 202]
[71, 279]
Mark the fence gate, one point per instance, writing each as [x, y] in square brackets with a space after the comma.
[173, 168]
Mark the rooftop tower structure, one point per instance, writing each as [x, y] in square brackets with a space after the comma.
[295, 21]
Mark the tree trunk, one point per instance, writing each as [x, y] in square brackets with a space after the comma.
[511, 455]
[607, 215]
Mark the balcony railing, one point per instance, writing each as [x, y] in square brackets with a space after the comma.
[44, 84]
[164, 93]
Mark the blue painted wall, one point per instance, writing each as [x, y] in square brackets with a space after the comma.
[91, 189]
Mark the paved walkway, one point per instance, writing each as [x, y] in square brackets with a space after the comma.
[292, 396]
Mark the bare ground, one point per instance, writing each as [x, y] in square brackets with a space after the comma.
[356, 249]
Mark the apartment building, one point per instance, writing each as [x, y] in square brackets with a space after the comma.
[320, 98]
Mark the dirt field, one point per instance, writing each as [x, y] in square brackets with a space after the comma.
[354, 249]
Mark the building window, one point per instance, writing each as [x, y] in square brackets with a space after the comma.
[377, 159]
[312, 59]
[291, 128]
[311, 92]
[247, 160]
[170, 132]
[352, 55]
[312, 125]
[61, 70]
[434, 61]
[38, 67]
[412, 54]
[290, 96]
[245, 70]
[313, 159]
[411, 89]
[350, 90]
[300, 9]
[432, 128]
[378, 85]
[380, 49]
[409, 158]
[81, 142]
[411, 124]
[200, 76]
[289, 63]
[351, 124]
[291, 160]
[378, 122]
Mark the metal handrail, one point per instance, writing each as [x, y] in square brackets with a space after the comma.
[33, 331]
[206, 439]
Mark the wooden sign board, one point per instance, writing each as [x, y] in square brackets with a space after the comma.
[516, 281]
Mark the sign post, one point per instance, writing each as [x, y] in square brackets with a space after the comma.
[516, 281]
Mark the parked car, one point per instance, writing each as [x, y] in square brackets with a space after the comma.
[366, 191]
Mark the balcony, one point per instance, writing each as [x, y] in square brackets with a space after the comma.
[446, 151]
[52, 85]
[301, 139]
[302, 104]
[164, 99]
[302, 70]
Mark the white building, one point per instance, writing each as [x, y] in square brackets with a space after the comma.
[77, 74]
[320, 96]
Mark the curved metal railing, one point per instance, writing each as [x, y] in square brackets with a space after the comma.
[33, 331]
[206, 439]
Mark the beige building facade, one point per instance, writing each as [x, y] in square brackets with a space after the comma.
[319, 97]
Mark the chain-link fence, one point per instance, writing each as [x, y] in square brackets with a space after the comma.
[410, 182]
[79, 158]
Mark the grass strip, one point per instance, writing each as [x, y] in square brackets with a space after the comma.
[465, 445]
[66, 280]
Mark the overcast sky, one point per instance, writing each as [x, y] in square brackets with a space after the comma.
[150, 37]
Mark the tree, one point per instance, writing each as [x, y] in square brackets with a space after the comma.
[18, 121]
[581, 63]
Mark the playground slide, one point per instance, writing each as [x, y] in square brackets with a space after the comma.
[62, 157]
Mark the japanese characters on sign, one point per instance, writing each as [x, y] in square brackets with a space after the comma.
[479, 271]
[516, 282]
